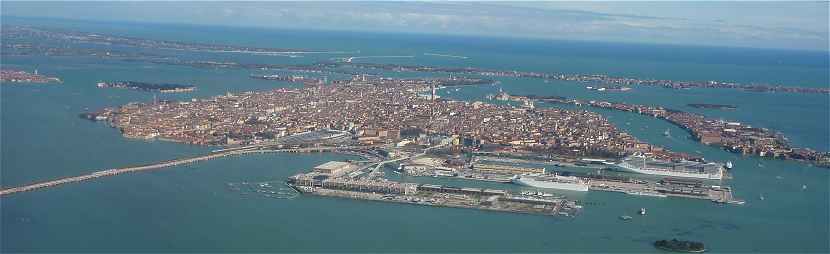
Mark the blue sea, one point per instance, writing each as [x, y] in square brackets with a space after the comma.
[189, 209]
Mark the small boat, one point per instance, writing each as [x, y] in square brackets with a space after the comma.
[736, 202]
[761, 197]
[667, 133]
[642, 211]
[803, 187]
[626, 217]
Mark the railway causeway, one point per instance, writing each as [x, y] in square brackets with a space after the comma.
[169, 163]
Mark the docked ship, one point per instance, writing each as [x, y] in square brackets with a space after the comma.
[570, 183]
[682, 168]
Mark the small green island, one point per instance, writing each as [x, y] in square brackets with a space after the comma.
[675, 245]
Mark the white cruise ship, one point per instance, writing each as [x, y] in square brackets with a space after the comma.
[685, 169]
[570, 183]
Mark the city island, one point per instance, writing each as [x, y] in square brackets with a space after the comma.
[732, 136]
[445, 127]
[402, 122]
[17, 76]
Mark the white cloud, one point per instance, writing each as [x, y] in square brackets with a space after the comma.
[796, 25]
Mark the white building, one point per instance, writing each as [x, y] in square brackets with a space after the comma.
[335, 168]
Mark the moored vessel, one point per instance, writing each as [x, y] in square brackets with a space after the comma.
[686, 169]
[570, 183]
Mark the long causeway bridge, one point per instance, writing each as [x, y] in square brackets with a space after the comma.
[170, 163]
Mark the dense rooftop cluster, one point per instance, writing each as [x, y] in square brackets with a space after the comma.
[733, 136]
[25, 77]
[374, 113]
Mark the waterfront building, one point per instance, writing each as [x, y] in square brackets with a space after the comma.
[335, 168]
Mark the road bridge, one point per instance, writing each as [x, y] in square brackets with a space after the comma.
[170, 163]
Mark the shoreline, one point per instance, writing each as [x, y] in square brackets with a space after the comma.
[371, 197]
[703, 134]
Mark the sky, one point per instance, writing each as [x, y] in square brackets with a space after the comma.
[786, 25]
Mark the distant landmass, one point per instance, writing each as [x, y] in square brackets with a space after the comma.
[713, 106]
[680, 246]
[149, 87]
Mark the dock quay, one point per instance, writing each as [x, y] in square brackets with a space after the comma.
[666, 187]
[483, 201]
[560, 162]
[505, 169]
[323, 183]
[485, 178]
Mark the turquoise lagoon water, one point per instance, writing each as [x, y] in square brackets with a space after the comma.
[188, 209]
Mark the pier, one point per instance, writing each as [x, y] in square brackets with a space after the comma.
[324, 180]
[650, 187]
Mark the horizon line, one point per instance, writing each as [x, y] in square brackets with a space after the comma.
[461, 35]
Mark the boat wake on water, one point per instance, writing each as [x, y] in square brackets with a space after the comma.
[446, 55]
[272, 189]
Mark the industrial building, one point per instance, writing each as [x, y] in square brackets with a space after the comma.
[335, 168]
